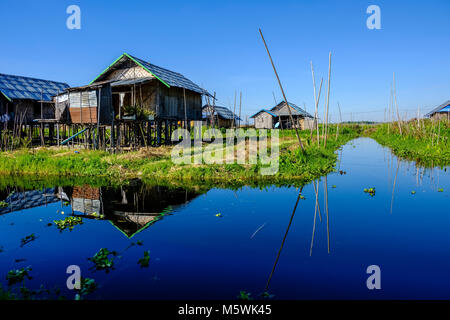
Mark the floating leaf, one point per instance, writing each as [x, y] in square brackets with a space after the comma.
[144, 262]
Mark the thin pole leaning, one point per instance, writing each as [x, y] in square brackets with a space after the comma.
[282, 91]
[396, 104]
[234, 111]
[315, 98]
[317, 112]
[328, 100]
[240, 107]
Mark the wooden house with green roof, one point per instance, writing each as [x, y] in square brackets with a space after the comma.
[134, 97]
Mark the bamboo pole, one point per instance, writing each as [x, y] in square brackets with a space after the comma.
[240, 107]
[396, 104]
[282, 91]
[340, 120]
[185, 112]
[328, 100]
[234, 111]
[326, 210]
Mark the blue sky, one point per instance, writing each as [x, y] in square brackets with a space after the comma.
[217, 45]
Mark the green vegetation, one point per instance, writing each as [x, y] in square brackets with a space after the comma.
[370, 191]
[87, 286]
[27, 239]
[243, 295]
[144, 262]
[102, 261]
[425, 141]
[68, 223]
[154, 165]
[18, 275]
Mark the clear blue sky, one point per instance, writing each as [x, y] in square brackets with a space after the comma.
[217, 45]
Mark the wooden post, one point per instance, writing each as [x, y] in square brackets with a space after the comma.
[185, 112]
[98, 115]
[42, 117]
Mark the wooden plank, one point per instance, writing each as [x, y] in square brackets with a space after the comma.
[88, 115]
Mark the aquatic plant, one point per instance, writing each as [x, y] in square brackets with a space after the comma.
[266, 295]
[18, 275]
[144, 262]
[102, 261]
[68, 223]
[87, 286]
[97, 215]
[27, 239]
[370, 191]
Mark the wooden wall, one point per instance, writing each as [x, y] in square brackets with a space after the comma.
[264, 121]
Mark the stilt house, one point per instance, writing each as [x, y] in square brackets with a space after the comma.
[279, 117]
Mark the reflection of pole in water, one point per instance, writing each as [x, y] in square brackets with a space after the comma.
[315, 215]
[395, 180]
[317, 206]
[284, 239]
[326, 208]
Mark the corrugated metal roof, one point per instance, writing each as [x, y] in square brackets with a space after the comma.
[222, 112]
[264, 110]
[29, 199]
[169, 78]
[439, 109]
[127, 82]
[18, 87]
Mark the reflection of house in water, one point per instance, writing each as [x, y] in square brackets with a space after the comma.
[21, 200]
[130, 208]
[86, 199]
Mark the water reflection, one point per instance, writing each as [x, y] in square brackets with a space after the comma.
[130, 208]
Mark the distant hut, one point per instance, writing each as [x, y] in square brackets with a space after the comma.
[223, 117]
[279, 117]
[441, 112]
[133, 90]
[27, 99]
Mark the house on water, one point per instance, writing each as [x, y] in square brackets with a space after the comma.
[279, 117]
[27, 99]
[441, 112]
[219, 116]
[140, 102]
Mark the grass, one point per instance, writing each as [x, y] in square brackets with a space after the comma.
[154, 165]
[427, 143]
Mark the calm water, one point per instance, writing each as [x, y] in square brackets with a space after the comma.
[197, 255]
